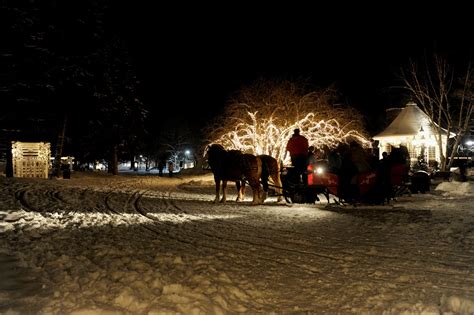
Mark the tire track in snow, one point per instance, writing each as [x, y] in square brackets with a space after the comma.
[205, 239]
[333, 248]
[107, 198]
[136, 197]
[20, 195]
[361, 258]
[413, 269]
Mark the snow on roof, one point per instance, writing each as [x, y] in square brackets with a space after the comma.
[408, 123]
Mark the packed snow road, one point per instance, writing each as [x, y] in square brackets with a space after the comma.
[97, 244]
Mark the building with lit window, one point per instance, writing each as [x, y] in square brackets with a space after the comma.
[412, 129]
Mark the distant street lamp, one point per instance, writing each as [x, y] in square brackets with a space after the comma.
[187, 154]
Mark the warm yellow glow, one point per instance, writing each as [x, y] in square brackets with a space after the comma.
[424, 138]
[31, 159]
[270, 135]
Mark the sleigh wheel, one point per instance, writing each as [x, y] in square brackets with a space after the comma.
[298, 197]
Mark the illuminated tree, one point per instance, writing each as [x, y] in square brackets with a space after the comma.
[261, 118]
[445, 98]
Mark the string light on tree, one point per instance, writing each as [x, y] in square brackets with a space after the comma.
[261, 118]
[270, 135]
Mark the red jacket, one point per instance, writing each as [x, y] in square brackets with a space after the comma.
[297, 145]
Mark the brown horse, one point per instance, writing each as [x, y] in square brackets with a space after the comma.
[270, 168]
[235, 166]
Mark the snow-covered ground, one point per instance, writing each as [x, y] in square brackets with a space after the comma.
[98, 244]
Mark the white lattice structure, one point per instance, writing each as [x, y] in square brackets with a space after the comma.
[31, 159]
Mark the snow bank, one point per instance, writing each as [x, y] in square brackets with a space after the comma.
[456, 188]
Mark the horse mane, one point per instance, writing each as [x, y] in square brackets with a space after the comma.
[215, 148]
[218, 151]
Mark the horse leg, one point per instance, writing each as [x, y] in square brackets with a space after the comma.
[239, 190]
[218, 187]
[279, 186]
[257, 192]
[265, 188]
[224, 189]
[242, 190]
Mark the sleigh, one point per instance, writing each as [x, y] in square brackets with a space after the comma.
[368, 187]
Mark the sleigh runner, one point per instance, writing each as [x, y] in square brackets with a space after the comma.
[373, 186]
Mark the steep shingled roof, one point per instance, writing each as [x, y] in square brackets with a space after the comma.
[408, 123]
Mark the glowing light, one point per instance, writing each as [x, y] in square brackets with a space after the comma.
[423, 138]
[261, 135]
[31, 159]
[469, 142]
[319, 170]
[261, 117]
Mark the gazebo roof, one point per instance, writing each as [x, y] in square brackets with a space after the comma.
[408, 123]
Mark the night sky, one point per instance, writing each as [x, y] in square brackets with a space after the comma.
[198, 59]
[193, 57]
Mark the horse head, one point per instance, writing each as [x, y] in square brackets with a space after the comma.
[214, 153]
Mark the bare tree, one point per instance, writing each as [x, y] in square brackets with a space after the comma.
[261, 117]
[176, 138]
[445, 98]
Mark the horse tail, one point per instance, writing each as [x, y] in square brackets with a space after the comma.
[259, 166]
[266, 170]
